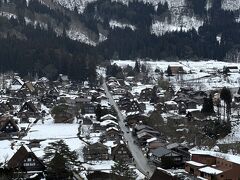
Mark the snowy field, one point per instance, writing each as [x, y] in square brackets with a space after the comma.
[199, 74]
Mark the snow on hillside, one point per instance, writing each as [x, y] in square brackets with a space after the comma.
[102, 37]
[77, 35]
[173, 3]
[36, 23]
[238, 19]
[232, 5]
[8, 15]
[185, 23]
[71, 4]
[208, 5]
[82, 4]
[113, 24]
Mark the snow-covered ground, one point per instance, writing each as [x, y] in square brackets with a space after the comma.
[198, 73]
[233, 137]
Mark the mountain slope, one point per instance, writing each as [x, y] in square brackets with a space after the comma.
[106, 29]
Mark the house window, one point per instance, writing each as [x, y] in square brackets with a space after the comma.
[177, 159]
[29, 164]
[26, 164]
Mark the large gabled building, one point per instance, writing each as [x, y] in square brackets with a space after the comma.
[213, 165]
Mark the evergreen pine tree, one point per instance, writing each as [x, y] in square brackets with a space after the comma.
[208, 106]
[137, 67]
[57, 168]
[169, 71]
[122, 169]
[226, 96]
[63, 149]
[98, 112]
[154, 95]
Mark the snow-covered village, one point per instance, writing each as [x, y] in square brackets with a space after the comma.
[143, 120]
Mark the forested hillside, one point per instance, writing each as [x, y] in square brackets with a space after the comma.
[50, 37]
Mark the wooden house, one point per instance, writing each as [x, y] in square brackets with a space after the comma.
[171, 106]
[121, 153]
[8, 125]
[177, 69]
[181, 149]
[124, 103]
[96, 151]
[112, 134]
[25, 161]
[160, 107]
[135, 119]
[6, 107]
[89, 108]
[40, 88]
[182, 108]
[134, 108]
[28, 109]
[145, 134]
[213, 165]
[15, 100]
[162, 156]
[162, 174]
[17, 81]
[146, 94]
[154, 143]
[109, 123]
[28, 88]
[20, 94]
[53, 92]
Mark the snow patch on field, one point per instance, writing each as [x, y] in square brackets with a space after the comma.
[5, 151]
[52, 131]
[198, 74]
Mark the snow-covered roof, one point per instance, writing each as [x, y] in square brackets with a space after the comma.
[195, 163]
[108, 116]
[228, 157]
[170, 103]
[201, 178]
[110, 128]
[210, 170]
[106, 122]
[27, 148]
[151, 139]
